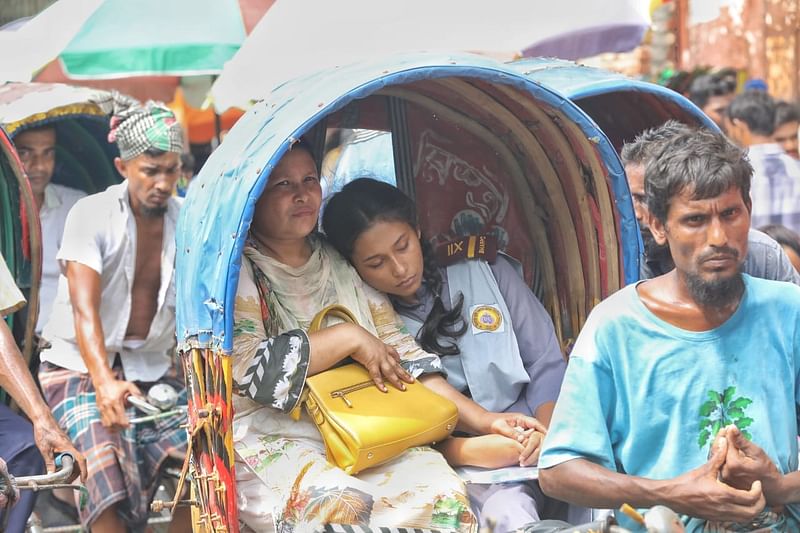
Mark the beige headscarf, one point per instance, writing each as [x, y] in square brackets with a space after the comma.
[298, 294]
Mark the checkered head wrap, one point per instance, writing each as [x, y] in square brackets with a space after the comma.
[137, 128]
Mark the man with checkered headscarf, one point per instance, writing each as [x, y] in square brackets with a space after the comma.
[112, 327]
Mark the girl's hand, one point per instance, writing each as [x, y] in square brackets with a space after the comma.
[498, 451]
[513, 425]
[532, 447]
[486, 451]
[380, 360]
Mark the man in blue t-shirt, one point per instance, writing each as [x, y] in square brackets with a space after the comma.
[683, 390]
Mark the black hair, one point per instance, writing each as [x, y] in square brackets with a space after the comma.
[187, 162]
[708, 85]
[360, 204]
[786, 112]
[756, 109]
[303, 144]
[783, 235]
[154, 152]
[702, 162]
[642, 148]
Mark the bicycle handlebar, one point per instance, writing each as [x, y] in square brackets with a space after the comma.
[65, 463]
[143, 405]
[161, 402]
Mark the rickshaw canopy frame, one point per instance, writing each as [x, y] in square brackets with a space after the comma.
[217, 214]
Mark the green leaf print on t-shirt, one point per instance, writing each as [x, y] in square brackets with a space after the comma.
[722, 410]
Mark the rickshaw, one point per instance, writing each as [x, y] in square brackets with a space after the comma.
[85, 161]
[20, 240]
[482, 148]
[20, 246]
[85, 157]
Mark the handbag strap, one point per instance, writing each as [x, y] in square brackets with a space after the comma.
[337, 310]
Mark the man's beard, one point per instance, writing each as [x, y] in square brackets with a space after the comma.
[154, 212]
[719, 292]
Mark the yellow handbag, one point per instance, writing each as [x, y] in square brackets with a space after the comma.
[363, 427]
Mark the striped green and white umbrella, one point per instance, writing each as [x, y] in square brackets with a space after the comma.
[104, 39]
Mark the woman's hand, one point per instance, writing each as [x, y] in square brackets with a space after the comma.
[380, 360]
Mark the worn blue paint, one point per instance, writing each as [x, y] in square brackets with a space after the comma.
[578, 82]
[219, 206]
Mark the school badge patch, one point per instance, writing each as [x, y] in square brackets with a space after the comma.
[486, 319]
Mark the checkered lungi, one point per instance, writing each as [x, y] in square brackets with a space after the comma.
[123, 467]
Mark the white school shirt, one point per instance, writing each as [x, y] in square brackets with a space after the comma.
[58, 200]
[100, 233]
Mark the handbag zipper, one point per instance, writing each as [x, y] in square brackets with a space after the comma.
[342, 393]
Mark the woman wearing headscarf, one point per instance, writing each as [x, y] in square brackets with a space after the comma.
[289, 274]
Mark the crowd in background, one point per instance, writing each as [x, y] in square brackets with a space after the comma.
[767, 128]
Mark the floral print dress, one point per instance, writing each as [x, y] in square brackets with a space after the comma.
[284, 482]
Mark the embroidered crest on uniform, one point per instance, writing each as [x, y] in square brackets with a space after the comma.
[486, 318]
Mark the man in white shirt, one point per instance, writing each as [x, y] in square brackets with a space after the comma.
[775, 191]
[37, 151]
[112, 328]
